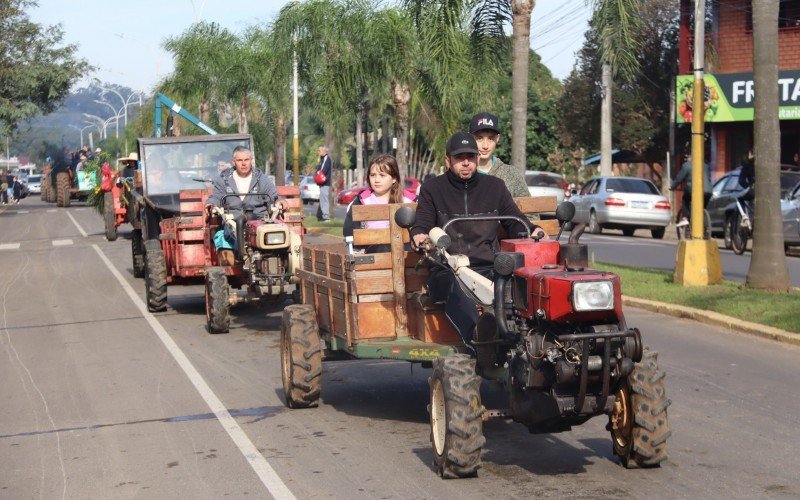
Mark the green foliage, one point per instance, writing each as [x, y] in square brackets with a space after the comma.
[731, 298]
[36, 70]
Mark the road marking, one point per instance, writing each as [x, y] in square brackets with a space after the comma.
[9, 246]
[53, 210]
[23, 211]
[83, 233]
[260, 465]
[62, 243]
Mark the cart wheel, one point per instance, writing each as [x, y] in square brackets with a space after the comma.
[639, 425]
[155, 276]
[137, 253]
[456, 410]
[109, 216]
[218, 304]
[301, 356]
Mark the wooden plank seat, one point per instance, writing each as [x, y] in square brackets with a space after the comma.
[382, 295]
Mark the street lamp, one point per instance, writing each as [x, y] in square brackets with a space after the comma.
[116, 112]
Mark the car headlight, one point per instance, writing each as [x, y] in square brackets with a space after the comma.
[593, 296]
[277, 238]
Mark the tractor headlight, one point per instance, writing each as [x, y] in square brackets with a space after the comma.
[276, 238]
[593, 296]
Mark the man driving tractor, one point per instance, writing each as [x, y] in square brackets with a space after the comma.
[463, 192]
[241, 180]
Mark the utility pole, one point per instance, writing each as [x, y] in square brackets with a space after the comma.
[296, 136]
[605, 121]
[698, 262]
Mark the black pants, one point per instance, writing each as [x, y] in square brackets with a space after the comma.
[459, 308]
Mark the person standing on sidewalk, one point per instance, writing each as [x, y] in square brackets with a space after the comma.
[324, 170]
[485, 128]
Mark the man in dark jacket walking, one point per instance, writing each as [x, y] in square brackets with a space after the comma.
[460, 192]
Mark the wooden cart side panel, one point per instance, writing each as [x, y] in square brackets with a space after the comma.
[375, 320]
[362, 213]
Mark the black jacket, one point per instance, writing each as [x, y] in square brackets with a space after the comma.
[446, 197]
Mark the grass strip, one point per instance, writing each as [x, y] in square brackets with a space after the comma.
[732, 298]
[332, 227]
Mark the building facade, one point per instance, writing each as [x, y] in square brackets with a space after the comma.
[729, 79]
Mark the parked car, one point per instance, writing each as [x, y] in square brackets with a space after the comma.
[346, 196]
[790, 212]
[309, 190]
[541, 183]
[35, 183]
[722, 205]
[626, 203]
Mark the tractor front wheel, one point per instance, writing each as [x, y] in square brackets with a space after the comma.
[456, 411]
[109, 217]
[155, 276]
[218, 304]
[301, 356]
[62, 189]
[639, 425]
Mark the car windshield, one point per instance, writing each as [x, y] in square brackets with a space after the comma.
[639, 186]
[543, 180]
[172, 166]
[788, 181]
[34, 178]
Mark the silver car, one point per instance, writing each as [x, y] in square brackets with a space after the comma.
[790, 212]
[35, 183]
[541, 183]
[626, 203]
[309, 190]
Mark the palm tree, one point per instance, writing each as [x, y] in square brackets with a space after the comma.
[521, 10]
[768, 269]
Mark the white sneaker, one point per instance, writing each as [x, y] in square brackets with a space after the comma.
[684, 222]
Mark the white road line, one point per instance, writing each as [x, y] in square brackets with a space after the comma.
[62, 243]
[53, 210]
[80, 229]
[9, 246]
[23, 211]
[262, 468]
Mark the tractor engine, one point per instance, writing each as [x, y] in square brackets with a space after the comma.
[273, 252]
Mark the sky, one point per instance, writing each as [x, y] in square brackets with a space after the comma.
[123, 39]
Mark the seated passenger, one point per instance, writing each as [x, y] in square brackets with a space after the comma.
[461, 192]
[383, 178]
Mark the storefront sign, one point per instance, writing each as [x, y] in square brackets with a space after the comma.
[730, 97]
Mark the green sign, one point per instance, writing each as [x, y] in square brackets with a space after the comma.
[729, 97]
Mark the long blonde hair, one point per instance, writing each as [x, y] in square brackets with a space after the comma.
[388, 165]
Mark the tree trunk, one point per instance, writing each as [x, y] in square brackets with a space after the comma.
[768, 269]
[280, 151]
[360, 146]
[244, 127]
[401, 96]
[605, 122]
[521, 10]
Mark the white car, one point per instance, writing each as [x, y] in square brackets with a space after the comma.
[35, 183]
[541, 183]
[626, 203]
[309, 190]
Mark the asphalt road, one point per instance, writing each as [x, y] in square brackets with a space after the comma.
[101, 399]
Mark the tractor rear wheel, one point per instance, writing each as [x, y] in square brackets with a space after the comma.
[218, 304]
[44, 184]
[456, 410]
[109, 217]
[301, 356]
[62, 189]
[137, 253]
[155, 276]
[639, 425]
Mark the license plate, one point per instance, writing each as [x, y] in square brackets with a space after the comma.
[640, 204]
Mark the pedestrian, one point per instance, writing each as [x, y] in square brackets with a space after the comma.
[4, 189]
[685, 174]
[323, 179]
[485, 127]
[16, 190]
[9, 189]
[796, 159]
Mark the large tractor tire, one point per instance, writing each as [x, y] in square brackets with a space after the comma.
[456, 411]
[109, 217]
[639, 425]
[45, 185]
[155, 276]
[218, 304]
[137, 253]
[301, 356]
[62, 189]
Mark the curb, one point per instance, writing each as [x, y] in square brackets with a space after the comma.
[716, 319]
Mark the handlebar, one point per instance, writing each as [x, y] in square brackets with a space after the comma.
[494, 217]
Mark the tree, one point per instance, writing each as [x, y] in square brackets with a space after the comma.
[768, 269]
[36, 71]
[522, 41]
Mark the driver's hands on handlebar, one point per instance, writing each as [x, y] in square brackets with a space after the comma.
[419, 239]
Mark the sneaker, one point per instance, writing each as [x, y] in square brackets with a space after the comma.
[683, 222]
